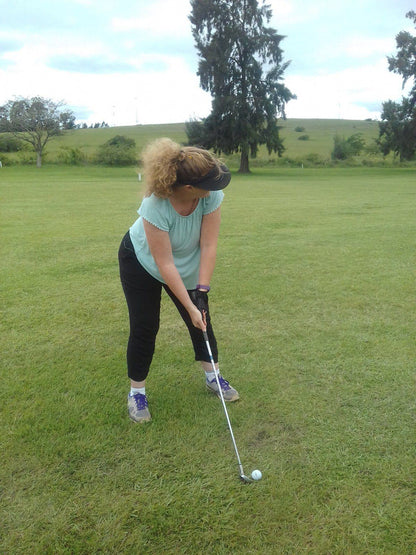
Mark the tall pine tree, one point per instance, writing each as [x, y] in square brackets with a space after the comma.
[241, 65]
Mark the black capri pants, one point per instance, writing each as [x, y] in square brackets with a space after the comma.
[143, 295]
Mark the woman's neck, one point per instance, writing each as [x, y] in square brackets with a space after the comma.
[184, 194]
[184, 202]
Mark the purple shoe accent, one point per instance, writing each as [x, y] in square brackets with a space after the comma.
[141, 401]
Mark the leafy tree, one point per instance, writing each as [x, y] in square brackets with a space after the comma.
[241, 65]
[339, 151]
[356, 144]
[67, 120]
[118, 151]
[405, 62]
[34, 120]
[397, 129]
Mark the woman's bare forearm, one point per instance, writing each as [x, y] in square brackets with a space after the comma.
[207, 265]
[208, 243]
[173, 280]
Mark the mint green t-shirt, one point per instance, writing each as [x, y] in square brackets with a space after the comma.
[184, 234]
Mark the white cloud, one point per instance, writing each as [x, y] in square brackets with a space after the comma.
[136, 60]
[163, 18]
[355, 93]
[364, 47]
[282, 9]
[291, 12]
[145, 96]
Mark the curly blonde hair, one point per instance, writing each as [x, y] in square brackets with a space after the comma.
[167, 164]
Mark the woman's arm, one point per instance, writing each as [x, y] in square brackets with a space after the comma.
[161, 250]
[210, 230]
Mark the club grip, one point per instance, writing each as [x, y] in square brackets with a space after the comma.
[204, 333]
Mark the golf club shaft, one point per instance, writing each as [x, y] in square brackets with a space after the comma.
[223, 402]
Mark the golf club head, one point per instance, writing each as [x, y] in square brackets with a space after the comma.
[246, 479]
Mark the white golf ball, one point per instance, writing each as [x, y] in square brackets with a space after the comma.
[256, 475]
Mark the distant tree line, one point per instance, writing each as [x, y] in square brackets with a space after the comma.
[84, 125]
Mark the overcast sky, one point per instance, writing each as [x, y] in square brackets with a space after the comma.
[134, 61]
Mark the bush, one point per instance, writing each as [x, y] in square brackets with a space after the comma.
[71, 155]
[118, 151]
[315, 159]
[346, 148]
[303, 138]
[28, 158]
[299, 129]
[356, 144]
[8, 143]
[121, 141]
[5, 160]
[373, 148]
[311, 160]
[340, 150]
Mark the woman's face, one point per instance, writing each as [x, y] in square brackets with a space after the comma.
[201, 193]
[195, 192]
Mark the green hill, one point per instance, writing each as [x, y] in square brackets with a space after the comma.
[303, 138]
[320, 131]
[90, 139]
[321, 134]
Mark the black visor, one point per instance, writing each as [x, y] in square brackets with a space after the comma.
[215, 180]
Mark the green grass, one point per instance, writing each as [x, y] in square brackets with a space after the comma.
[313, 304]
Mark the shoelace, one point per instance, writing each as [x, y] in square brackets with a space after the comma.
[141, 401]
[223, 383]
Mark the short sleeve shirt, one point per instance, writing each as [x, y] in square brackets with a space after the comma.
[184, 234]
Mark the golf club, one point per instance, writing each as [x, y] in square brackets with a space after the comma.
[243, 477]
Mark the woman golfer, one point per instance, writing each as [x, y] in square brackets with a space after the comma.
[173, 245]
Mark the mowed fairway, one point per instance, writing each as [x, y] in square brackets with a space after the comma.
[314, 308]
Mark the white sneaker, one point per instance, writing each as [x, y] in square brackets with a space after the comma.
[228, 392]
[138, 408]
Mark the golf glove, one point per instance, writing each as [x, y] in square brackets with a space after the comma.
[200, 300]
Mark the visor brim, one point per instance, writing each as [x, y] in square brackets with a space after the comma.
[214, 180]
